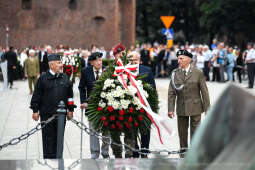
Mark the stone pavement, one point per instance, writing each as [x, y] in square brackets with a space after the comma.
[16, 119]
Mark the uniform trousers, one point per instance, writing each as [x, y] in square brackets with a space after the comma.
[49, 137]
[95, 146]
[31, 80]
[251, 73]
[183, 124]
[129, 139]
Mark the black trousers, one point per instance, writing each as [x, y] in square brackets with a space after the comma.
[11, 75]
[145, 143]
[49, 138]
[216, 74]
[251, 73]
[206, 70]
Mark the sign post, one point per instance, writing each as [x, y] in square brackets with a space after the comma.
[167, 21]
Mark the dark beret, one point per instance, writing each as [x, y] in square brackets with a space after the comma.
[118, 48]
[54, 57]
[95, 56]
[184, 52]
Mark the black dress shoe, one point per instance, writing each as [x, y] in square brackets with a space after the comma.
[106, 156]
[249, 87]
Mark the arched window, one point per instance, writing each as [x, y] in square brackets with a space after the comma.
[72, 4]
[26, 4]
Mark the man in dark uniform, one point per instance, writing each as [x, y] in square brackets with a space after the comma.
[188, 88]
[51, 88]
[12, 61]
[88, 77]
[142, 70]
[43, 58]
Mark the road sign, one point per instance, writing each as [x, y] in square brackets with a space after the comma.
[168, 32]
[167, 20]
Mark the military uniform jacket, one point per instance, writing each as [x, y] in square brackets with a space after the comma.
[31, 67]
[49, 91]
[193, 99]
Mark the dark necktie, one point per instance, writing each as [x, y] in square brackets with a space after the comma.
[185, 73]
[97, 75]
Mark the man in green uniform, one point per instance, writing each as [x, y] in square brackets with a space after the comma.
[188, 88]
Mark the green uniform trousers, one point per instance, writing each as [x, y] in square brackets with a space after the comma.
[183, 125]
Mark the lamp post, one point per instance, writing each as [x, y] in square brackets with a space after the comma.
[7, 35]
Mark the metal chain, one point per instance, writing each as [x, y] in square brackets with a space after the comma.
[24, 136]
[103, 138]
[70, 167]
[45, 163]
[74, 164]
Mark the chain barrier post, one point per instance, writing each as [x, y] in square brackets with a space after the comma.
[61, 127]
[81, 133]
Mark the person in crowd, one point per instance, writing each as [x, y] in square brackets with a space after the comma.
[207, 61]
[215, 63]
[188, 88]
[88, 76]
[43, 58]
[12, 62]
[222, 55]
[85, 58]
[230, 63]
[199, 62]
[23, 56]
[239, 65]
[3, 66]
[134, 58]
[51, 88]
[145, 55]
[31, 69]
[250, 61]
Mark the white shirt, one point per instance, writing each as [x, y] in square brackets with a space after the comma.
[99, 73]
[52, 72]
[200, 61]
[23, 57]
[187, 70]
[250, 56]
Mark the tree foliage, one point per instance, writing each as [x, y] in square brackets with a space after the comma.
[199, 20]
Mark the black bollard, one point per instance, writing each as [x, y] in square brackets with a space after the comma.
[61, 127]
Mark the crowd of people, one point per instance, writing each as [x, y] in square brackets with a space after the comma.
[219, 62]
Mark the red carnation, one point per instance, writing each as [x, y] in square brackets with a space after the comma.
[99, 109]
[140, 118]
[121, 112]
[141, 110]
[112, 118]
[118, 123]
[105, 123]
[130, 119]
[103, 118]
[110, 108]
[131, 110]
[121, 118]
[113, 126]
[127, 125]
[136, 124]
[120, 127]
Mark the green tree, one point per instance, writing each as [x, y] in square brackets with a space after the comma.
[232, 19]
